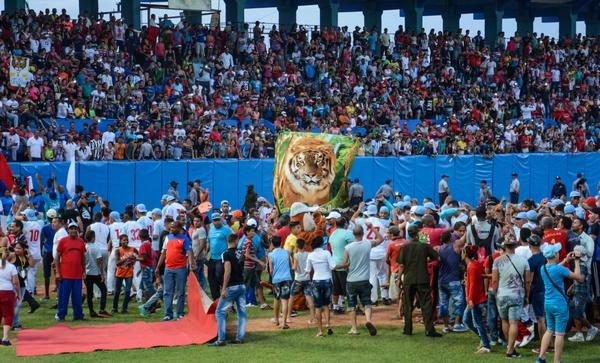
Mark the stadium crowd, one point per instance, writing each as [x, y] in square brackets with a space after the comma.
[497, 269]
[170, 86]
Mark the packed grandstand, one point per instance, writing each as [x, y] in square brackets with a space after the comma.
[98, 90]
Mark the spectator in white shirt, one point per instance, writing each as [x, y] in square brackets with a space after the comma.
[108, 136]
[35, 145]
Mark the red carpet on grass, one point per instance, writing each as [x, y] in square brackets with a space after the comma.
[197, 327]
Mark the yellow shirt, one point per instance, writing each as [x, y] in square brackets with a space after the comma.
[290, 244]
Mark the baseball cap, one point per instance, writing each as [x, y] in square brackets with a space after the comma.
[406, 198]
[580, 212]
[141, 208]
[170, 198]
[174, 182]
[115, 216]
[157, 212]
[590, 201]
[551, 250]
[73, 224]
[237, 213]
[261, 200]
[574, 194]
[557, 202]
[51, 213]
[444, 176]
[420, 210]
[384, 209]
[216, 216]
[521, 215]
[514, 174]
[534, 240]
[334, 215]
[251, 222]
[224, 201]
[165, 197]
[30, 214]
[557, 177]
[372, 210]
[569, 209]
[430, 205]
[399, 205]
[532, 215]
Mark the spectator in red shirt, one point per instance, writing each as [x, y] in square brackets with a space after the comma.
[146, 263]
[70, 267]
[391, 256]
[476, 298]
[554, 235]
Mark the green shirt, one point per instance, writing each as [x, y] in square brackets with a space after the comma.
[415, 256]
[338, 240]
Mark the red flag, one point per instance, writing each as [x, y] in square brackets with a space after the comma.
[6, 175]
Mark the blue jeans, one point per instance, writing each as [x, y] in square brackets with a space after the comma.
[233, 294]
[70, 288]
[18, 303]
[118, 286]
[492, 315]
[158, 295]
[451, 296]
[174, 278]
[473, 319]
[148, 280]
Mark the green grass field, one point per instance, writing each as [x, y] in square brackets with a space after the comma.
[295, 345]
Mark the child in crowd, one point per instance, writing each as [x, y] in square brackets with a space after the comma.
[281, 277]
[476, 298]
[302, 283]
[125, 257]
[250, 264]
[146, 264]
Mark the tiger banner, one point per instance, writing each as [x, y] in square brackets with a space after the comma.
[312, 168]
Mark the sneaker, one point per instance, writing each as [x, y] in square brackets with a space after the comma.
[265, 306]
[386, 301]
[540, 360]
[513, 355]
[433, 334]
[236, 341]
[143, 311]
[6, 343]
[104, 314]
[446, 330]
[493, 343]
[166, 318]
[460, 328]
[180, 317]
[294, 314]
[591, 334]
[483, 350]
[250, 305]
[578, 338]
[526, 340]
[34, 307]
[93, 314]
[58, 318]
[46, 298]
[218, 343]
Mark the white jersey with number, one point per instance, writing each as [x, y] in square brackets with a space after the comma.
[33, 234]
[175, 209]
[116, 230]
[158, 228]
[378, 252]
[102, 232]
[133, 229]
[147, 224]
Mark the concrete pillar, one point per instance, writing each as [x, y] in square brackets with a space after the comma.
[592, 22]
[90, 7]
[413, 16]
[567, 23]
[524, 19]
[328, 13]
[493, 24]
[234, 13]
[451, 19]
[13, 6]
[193, 17]
[287, 14]
[130, 12]
[372, 16]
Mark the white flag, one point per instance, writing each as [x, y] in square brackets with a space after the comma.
[71, 178]
[29, 184]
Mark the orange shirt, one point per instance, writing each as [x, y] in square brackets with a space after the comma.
[393, 249]
[128, 254]
[120, 151]
[176, 247]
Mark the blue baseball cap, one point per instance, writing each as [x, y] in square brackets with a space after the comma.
[141, 208]
[115, 216]
[157, 212]
[569, 209]
[420, 210]
[372, 210]
[532, 215]
[30, 214]
[580, 212]
[574, 194]
[406, 198]
[216, 216]
[551, 250]
[521, 215]
[557, 202]
[384, 209]
[165, 197]
[430, 205]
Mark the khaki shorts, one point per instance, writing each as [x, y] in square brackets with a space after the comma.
[394, 291]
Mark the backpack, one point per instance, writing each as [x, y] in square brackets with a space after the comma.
[484, 245]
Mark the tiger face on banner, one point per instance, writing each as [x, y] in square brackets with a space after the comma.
[312, 168]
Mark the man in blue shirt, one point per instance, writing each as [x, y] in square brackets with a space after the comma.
[217, 244]
[48, 233]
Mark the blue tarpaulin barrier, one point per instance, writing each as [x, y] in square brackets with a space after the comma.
[124, 183]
